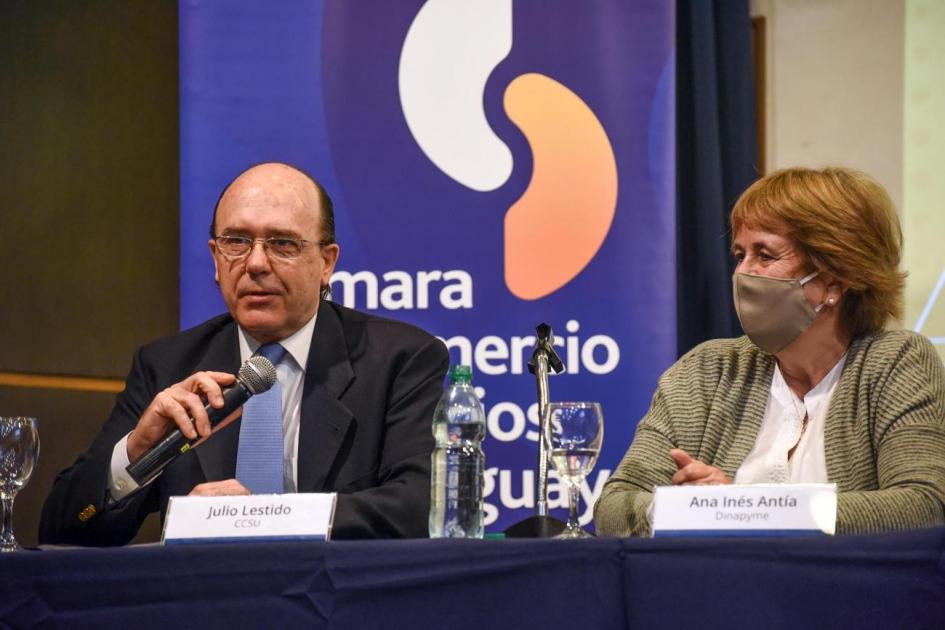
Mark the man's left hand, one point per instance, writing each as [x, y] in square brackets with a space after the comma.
[226, 488]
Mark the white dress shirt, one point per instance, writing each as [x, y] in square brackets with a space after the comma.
[782, 429]
[291, 375]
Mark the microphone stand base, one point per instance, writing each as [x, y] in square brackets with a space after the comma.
[536, 527]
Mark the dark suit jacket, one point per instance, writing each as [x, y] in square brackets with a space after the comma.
[371, 385]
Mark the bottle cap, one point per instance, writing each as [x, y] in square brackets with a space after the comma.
[461, 374]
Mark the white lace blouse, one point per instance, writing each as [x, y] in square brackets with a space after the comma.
[782, 428]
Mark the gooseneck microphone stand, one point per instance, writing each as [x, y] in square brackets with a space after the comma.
[544, 357]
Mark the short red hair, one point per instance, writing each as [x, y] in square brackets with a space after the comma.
[846, 224]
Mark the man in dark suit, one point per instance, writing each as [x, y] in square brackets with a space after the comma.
[357, 391]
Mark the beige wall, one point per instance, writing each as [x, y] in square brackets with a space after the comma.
[862, 83]
[834, 85]
[923, 160]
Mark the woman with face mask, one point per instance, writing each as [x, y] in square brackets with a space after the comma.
[818, 390]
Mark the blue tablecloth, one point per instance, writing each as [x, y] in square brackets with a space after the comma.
[882, 581]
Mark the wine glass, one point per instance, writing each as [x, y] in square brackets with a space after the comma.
[573, 434]
[19, 450]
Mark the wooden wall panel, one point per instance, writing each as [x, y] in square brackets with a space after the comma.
[88, 183]
[68, 421]
[88, 209]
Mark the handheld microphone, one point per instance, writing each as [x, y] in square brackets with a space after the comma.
[257, 375]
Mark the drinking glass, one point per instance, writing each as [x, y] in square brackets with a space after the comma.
[19, 450]
[573, 435]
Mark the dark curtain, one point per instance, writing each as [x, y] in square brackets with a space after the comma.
[716, 159]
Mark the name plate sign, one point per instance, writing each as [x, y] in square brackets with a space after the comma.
[251, 518]
[745, 510]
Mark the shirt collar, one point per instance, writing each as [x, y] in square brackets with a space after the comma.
[297, 344]
[784, 395]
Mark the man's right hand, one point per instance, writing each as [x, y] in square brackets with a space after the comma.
[176, 405]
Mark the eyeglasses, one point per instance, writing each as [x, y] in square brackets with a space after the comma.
[236, 247]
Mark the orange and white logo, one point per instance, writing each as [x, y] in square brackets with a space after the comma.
[449, 52]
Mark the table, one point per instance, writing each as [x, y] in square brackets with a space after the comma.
[894, 580]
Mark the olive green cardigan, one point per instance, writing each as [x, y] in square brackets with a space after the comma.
[884, 434]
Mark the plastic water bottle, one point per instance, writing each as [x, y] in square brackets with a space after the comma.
[457, 461]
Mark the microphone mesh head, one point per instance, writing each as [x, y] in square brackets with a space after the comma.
[258, 374]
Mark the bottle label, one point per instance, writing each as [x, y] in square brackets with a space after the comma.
[456, 500]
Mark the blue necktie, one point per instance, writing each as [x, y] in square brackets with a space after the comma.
[259, 460]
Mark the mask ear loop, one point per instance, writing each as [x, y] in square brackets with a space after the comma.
[807, 279]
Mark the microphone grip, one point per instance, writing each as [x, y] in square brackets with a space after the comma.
[150, 465]
[175, 443]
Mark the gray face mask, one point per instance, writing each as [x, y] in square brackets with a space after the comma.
[773, 311]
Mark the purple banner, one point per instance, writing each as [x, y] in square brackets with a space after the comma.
[493, 165]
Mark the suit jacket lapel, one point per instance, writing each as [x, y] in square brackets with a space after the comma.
[325, 419]
[217, 455]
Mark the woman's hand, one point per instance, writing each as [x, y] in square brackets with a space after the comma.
[692, 472]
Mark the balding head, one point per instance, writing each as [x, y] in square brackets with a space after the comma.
[292, 176]
[270, 291]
